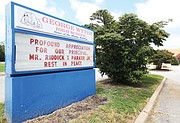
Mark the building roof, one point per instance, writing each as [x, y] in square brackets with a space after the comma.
[175, 51]
[178, 56]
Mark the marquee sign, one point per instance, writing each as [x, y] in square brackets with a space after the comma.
[32, 20]
[49, 63]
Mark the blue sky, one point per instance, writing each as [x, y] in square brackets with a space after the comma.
[78, 11]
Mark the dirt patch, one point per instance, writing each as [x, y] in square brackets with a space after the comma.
[71, 112]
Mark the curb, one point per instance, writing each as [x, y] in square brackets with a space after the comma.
[142, 117]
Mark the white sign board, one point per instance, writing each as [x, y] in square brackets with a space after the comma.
[37, 53]
[34, 21]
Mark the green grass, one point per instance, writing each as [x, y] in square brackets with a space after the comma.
[1, 67]
[2, 119]
[125, 102]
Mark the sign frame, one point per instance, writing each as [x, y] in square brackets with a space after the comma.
[11, 47]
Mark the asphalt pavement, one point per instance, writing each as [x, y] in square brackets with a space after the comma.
[173, 74]
[166, 108]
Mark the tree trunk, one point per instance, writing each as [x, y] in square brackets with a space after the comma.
[159, 65]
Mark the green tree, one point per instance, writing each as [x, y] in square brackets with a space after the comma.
[161, 56]
[123, 47]
[174, 61]
[103, 17]
[2, 52]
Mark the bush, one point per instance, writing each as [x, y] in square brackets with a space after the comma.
[123, 46]
[2, 55]
[174, 61]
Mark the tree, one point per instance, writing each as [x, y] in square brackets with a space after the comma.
[174, 61]
[114, 59]
[161, 56]
[123, 46]
[103, 17]
[2, 52]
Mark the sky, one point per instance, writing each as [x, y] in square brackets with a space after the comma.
[79, 11]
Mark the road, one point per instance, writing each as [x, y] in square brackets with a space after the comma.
[174, 74]
[166, 108]
[2, 79]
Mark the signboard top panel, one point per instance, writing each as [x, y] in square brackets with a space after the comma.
[32, 20]
[41, 43]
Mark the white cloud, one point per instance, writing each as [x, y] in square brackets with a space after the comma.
[84, 10]
[75, 4]
[161, 10]
[116, 15]
[158, 10]
[99, 1]
[41, 5]
[171, 43]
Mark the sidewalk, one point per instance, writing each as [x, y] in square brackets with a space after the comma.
[167, 106]
[2, 88]
[2, 74]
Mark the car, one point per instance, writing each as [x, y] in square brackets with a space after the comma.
[166, 66]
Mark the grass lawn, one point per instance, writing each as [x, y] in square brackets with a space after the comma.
[125, 102]
[2, 120]
[1, 67]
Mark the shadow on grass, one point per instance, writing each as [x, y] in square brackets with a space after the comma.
[121, 83]
[145, 81]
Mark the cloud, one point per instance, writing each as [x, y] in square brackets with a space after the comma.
[84, 10]
[158, 10]
[116, 15]
[161, 10]
[171, 43]
[99, 1]
[75, 4]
